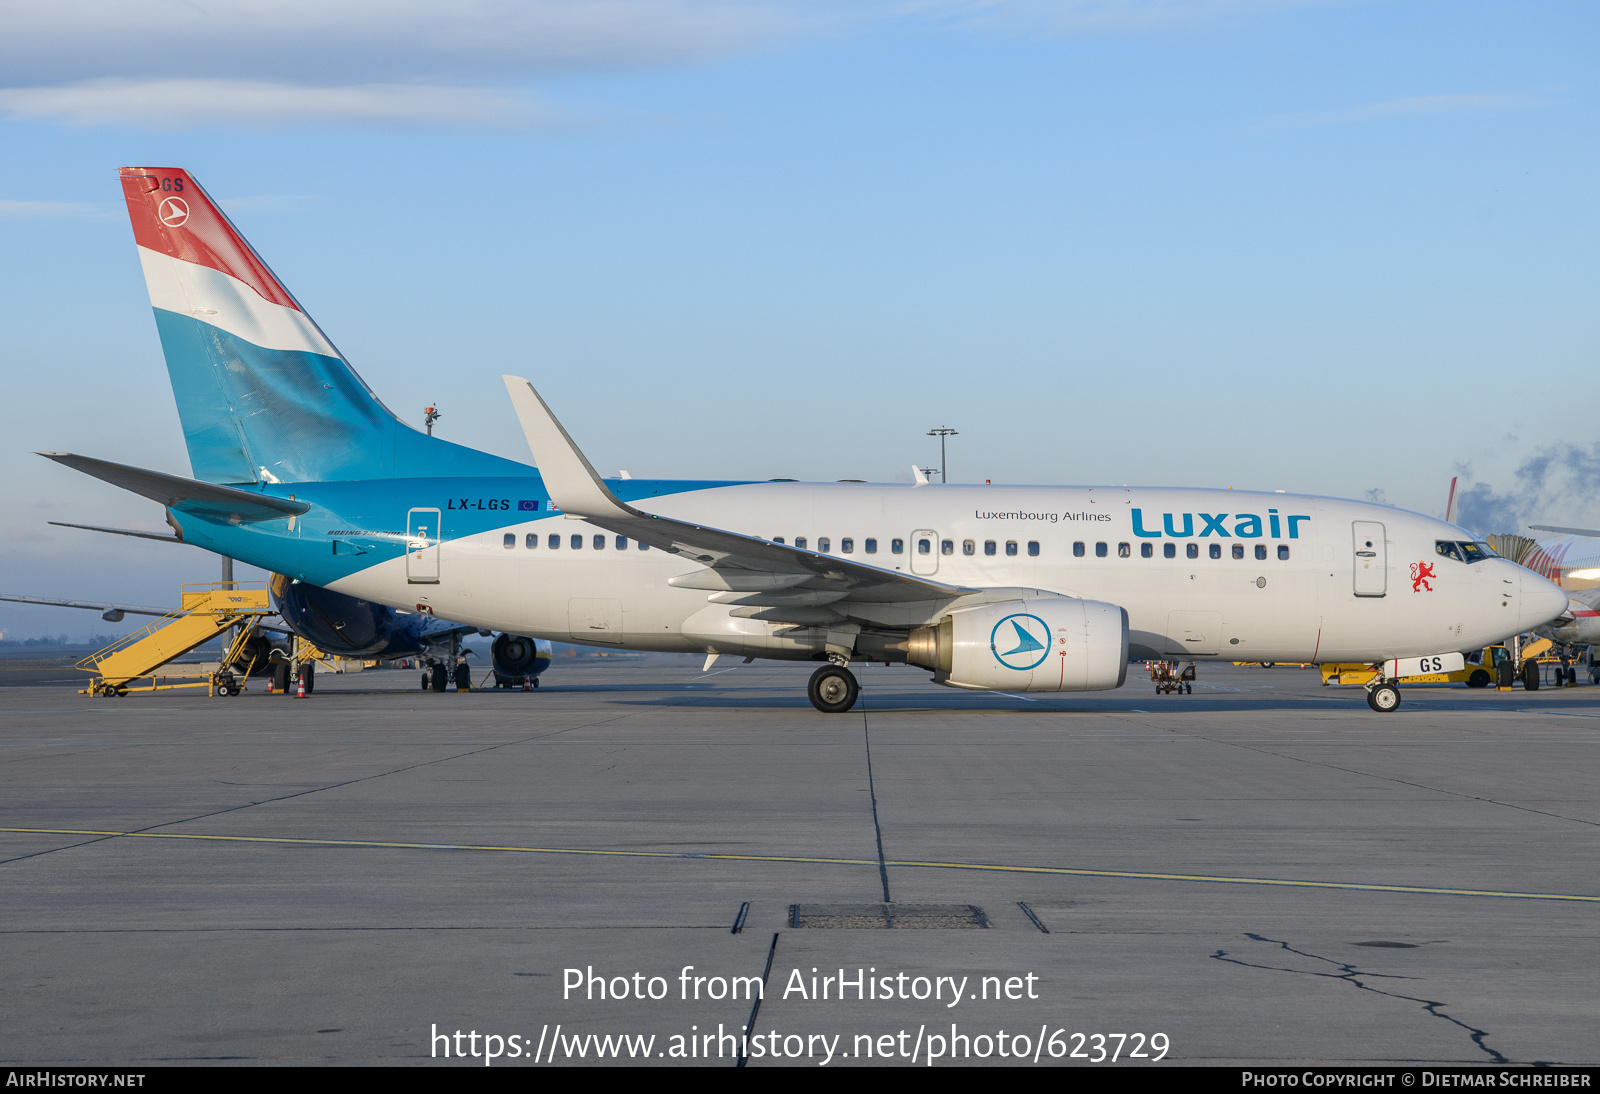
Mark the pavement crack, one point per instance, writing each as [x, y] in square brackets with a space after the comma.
[1356, 978]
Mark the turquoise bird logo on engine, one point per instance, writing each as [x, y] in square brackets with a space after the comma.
[1020, 642]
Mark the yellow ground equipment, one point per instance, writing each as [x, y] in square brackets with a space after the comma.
[210, 609]
[1480, 671]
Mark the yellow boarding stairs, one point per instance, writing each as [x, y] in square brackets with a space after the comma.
[209, 609]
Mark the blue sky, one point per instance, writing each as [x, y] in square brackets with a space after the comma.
[1332, 247]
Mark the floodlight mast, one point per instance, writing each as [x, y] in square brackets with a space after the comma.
[942, 432]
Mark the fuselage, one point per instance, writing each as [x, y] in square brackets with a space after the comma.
[1226, 574]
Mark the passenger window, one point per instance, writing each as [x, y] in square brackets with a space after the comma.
[599, 542]
[800, 542]
[947, 546]
[510, 540]
[1124, 550]
[777, 539]
[577, 541]
[1261, 552]
[1216, 550]
[1169, 550]
[1192, 550]
[823, 544]
[622, 543]
[968, 547]
[848, 546]
[870, 546]
[643, 546]
[1238, 550]
[1147, 550]
[897, 546]
[1283, 551]
[532, 541]
[924, 546]
[1011, 547]
[1099, 550]
[988, 547]
[1077, 548]
[555, 541]
[1033, 548]
[1447, 549]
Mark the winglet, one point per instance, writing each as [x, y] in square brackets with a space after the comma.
[918, 478]
[574, 486]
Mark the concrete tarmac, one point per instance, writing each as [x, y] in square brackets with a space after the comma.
[1263, 872]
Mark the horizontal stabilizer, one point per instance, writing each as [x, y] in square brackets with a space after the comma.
[190, 495]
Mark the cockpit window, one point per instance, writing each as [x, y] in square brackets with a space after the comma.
[1447, 549]
[1476, 552]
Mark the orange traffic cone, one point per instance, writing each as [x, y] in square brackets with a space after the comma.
[269, 683]
[300, 691]
[526, 685]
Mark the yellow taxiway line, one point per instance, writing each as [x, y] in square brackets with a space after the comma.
[1290, 883]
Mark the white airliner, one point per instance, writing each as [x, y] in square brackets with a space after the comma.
[300, 470]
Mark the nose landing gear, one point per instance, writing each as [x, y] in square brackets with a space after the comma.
[1383, 696]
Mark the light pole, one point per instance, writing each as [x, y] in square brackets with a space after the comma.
[942, 432]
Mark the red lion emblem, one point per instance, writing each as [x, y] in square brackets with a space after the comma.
[1420, 573]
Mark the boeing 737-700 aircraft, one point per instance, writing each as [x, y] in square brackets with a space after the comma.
[299, 469]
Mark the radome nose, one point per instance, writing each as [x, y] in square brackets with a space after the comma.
[1539, 601]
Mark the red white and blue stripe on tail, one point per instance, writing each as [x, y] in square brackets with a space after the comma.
[262, 393]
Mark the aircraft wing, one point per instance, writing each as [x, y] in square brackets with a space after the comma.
[93, 605]
[164, 537]
[1566, 531]
[770, 573]
[224, 502]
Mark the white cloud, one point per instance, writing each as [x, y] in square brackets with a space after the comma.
[1419, 104]
[1093, 16]
[49, 209]
[366, 41]
[182, 63]
[177, 104]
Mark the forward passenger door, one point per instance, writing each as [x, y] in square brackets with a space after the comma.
[1371, 558]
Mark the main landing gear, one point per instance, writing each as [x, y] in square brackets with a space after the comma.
[833, 689]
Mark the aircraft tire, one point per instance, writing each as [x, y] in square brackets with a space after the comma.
[426, 682]
[1530, 677]
[280, 677]
[441, 678]
[1384, 698]
[463, 677]
[833, 690]
[1479, 679]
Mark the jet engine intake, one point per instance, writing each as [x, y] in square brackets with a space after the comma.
[516, 656]
[1042, 644]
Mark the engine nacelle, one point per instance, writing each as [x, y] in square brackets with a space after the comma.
[1045, 644]
[516, 656]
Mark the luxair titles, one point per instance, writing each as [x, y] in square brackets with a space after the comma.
[1179, 525]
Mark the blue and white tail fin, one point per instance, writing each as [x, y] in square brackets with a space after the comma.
[262, 393]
